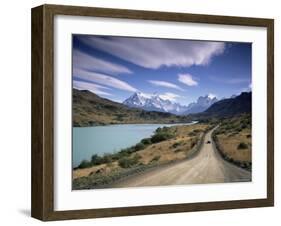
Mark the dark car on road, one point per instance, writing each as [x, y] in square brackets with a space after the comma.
[208, 142]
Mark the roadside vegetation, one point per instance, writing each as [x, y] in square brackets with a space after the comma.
[166, 145]
[234, 141]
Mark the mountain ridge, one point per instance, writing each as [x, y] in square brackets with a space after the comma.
[153, 103]
[227, 108]
[90, 109]
[156, 103]
[202, 104]
[232, 106]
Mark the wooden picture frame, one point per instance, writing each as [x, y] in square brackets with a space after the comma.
[43, 112]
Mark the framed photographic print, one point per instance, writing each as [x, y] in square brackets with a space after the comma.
[141, 112]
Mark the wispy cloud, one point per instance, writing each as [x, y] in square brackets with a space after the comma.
[94, 88]
[103, 79]
[237, 81]
[231, 81]
[169, 96]
[84, 61]
[165, 84]
[187, 79]
[154, 53]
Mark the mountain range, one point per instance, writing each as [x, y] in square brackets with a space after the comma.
[153, 103]
[156, 103]
[90, 109]
[231, 106]
[202, 104]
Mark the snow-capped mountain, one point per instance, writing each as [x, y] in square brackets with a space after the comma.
[202, 103]
[154, 103]
[138, 99]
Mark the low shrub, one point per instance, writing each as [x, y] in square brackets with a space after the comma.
[155, 158]
[127, 162]
[192, 133]
[139, 146]
[232, 134]
[243, 126]
[97, 160]
[123, 153]
[238, 129]
[146, 141]
[158, 137]
[242, 145]
[84, 164]
[175, 145]
[193, 143]
[158, 130]
[178, 150]
[107, 158]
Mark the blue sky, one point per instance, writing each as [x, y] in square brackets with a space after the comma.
[178, 70]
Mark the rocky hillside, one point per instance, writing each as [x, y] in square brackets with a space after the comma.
[89, 109]
[232, 106]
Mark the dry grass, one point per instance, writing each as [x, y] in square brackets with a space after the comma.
[229, 145]
[173, 149]
[103, 168]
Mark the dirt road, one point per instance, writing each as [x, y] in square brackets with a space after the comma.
[206, 167]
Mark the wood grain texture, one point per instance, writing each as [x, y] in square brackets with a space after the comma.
[37, 158]
[43, 107]
[270, 111]
[42, 113]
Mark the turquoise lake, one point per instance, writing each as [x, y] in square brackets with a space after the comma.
[109, 139]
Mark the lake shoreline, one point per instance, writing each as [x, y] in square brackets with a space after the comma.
[92, 140]
[177, 148]
[132, 123]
